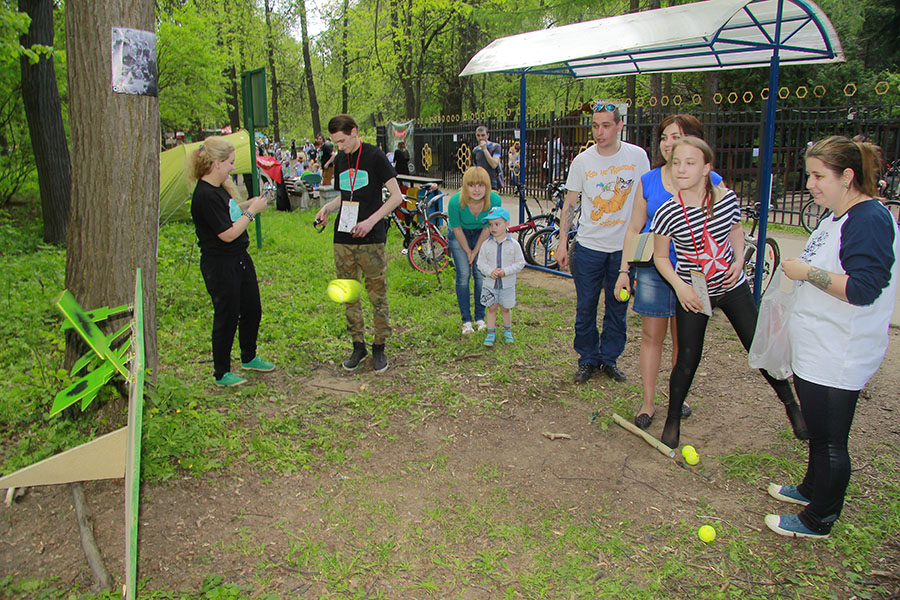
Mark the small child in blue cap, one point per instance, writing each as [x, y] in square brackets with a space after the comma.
[499, 259]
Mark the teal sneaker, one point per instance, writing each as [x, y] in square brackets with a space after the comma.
[507, 336]
[229, 379]
[792, 526]
[787, 493]
[489, 339]
[258, 364]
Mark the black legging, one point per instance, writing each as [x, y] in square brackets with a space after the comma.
[739, 307]
[828, 413]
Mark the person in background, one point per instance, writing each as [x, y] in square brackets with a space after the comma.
[838, 327]
[465, 212]
[705, 224]
[401, 159]
[487, 156]
[360, 233]
[326, 156]
[228, 271]
[654, 298]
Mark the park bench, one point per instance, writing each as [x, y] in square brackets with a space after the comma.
[303, 191]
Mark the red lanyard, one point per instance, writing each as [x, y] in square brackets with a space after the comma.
[691, 229]
[355, 170]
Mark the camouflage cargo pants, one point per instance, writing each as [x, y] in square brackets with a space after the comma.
[368, 260]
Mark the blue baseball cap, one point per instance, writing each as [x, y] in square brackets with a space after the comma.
[498, 212]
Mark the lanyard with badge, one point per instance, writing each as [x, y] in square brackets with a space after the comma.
[698, 278]
[350, 209]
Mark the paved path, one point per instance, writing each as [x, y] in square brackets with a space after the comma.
[791, 244]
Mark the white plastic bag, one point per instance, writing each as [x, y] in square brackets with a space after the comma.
[771, 347]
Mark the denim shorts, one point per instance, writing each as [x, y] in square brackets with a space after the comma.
[653, 296]
[505, 297]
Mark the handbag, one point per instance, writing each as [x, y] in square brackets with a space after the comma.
[771, 347]
[640, 251]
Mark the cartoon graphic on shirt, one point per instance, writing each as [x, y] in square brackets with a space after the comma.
[611, 198]
[816, 241]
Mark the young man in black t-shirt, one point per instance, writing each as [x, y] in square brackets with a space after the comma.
[361, 170]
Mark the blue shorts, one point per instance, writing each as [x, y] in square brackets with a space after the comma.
[653, 296]
[505, 297]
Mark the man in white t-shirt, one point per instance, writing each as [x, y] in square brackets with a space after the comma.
[603, 179]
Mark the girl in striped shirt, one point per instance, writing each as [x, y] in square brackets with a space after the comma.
[704, 223]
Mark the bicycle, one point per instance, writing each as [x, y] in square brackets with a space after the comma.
[888, 188]
[429, 251]
[772, 251]
[557, 191]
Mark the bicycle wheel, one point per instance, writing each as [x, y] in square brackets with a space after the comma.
[541, 248]
[771, 262]
[428, 253]
[894, 207]
[810, 216]
[540, 222]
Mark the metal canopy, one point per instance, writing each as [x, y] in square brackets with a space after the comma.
[701, 36]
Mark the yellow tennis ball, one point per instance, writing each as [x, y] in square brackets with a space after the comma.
[692, 459]
[624, 295]
[344, 290]
[706, 533]
[687, 450]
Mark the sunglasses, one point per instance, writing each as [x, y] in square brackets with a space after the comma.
[599, 107]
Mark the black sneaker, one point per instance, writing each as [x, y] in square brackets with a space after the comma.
[379, 360]
[613, 372]
[359, 353]
[584, 372]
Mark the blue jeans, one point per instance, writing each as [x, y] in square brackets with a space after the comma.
[594, 272]
[465, 271]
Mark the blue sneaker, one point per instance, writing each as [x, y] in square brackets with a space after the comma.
[490, 338]
[792, 526]
[258, 364]
[787, 493]
[229, 379]
[507, 336]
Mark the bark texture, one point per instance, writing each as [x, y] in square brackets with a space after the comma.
[114, 223]
[43, 110]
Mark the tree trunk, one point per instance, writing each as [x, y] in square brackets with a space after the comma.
[307, 70]
[345, 60]
[102, 580]
[45, 125]
[231, 98]
[711, 86]
[270, 53]
[114, 222]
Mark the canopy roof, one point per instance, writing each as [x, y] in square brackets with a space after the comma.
[701, 36]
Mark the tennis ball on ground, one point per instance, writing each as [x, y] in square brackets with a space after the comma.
[624, 295]
[687, 450]
[692, 459]
[706, 533]
[344, 290]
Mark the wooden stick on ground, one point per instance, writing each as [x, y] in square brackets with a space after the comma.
[628, 426]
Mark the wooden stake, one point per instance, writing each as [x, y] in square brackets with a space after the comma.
[629, 426]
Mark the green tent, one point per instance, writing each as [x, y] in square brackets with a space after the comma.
[174, 193]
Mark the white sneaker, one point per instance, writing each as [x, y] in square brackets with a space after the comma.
[479, 325]
[467, 328]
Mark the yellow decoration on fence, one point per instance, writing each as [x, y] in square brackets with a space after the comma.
[732, 97]
[784, 92]
[717, 98]
[586, 146]
[676, 99]
[463, 158]
[697, 99]
[850, 89]
[819, 91]
[664, 101]
[764, 93]
[426, 157]
[801, 92]
[653, 101]
[882, 87]
[748, 97]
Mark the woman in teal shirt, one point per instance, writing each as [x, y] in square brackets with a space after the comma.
[464, 213]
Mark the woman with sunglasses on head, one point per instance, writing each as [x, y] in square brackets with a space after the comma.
[838, 327]
[654, 298]
[705, 224]
[228, 271]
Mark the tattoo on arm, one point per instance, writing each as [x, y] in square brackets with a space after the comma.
[819, 278]
[568, 219]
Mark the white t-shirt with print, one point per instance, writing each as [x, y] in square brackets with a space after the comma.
[607, 185]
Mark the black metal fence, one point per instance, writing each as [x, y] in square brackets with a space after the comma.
[444, 150]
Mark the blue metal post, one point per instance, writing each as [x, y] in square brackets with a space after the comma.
[768, 154]
[523, 99]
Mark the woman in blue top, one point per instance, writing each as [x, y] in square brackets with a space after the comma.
[464, 213]
[654, 298]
